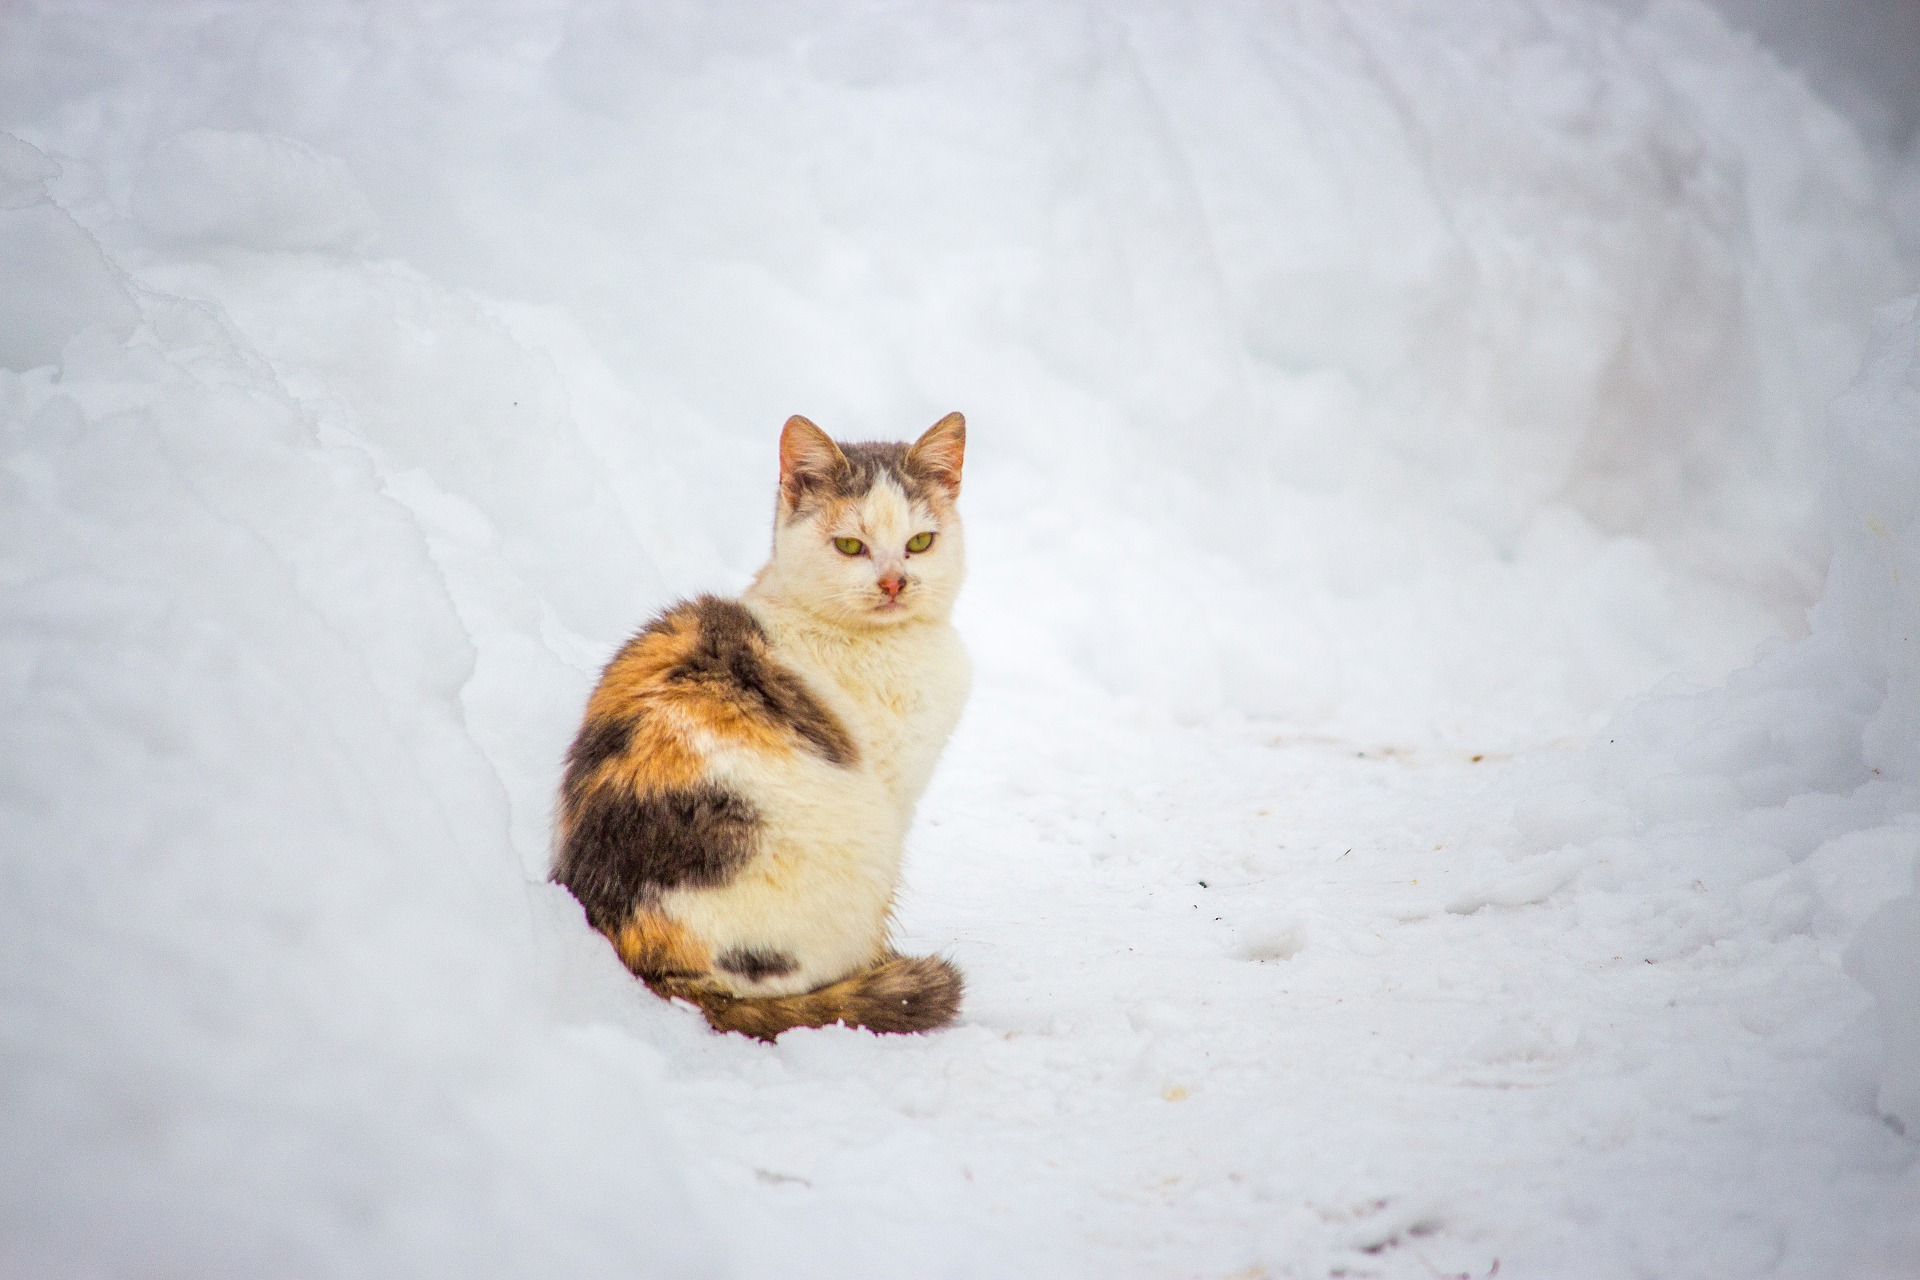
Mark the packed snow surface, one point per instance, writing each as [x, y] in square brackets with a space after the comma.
[1375, 845]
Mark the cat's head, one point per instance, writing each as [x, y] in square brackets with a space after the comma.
[868, 534]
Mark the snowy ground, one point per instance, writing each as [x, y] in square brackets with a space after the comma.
[1277, 1014]
[1376, 845]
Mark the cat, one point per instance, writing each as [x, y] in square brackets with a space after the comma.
[735, 805]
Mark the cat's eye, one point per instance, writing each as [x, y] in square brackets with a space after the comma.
[850, 546]
[919, 542]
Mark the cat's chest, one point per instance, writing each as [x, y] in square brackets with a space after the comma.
[892, 693]
[900, 694]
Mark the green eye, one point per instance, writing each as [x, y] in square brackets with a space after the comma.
[850, 546]
[919, 542]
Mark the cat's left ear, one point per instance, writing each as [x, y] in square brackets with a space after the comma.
[939, 453]
[808, 456]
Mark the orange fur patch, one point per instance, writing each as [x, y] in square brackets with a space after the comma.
[729, 720]
[652, 945]
[636, 671]
[634, 687]
[657, 758]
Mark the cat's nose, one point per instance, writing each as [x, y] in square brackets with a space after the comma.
[893, 584]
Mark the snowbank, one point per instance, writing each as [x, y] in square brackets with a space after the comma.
[1788, 800]
[1305, 321]
[1414, 373]
[277, 994]
[1873, 600]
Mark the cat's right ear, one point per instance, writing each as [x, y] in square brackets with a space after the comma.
[939, 453]
[808, 456]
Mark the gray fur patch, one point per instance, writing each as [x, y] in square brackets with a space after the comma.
[866, 463]
[756, 964]
[624, 849]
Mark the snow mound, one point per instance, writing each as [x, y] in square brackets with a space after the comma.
[1278, 327]
[1788, 800]
[277, 988]
[1873, 598]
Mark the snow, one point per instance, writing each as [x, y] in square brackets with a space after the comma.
[1375, 845]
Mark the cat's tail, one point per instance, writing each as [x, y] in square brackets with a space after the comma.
[901, 993]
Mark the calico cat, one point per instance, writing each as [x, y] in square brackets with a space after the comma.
[736, 801]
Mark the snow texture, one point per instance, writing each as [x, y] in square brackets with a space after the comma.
[1375, 846]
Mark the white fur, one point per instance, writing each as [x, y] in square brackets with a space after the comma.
[821, 888]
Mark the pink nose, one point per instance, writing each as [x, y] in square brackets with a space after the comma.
[893, 584]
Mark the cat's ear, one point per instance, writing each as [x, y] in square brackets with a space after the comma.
[939, 453]
[808, 456]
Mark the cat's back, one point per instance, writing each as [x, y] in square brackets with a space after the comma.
[705, 669]
[720, 797]
[667, 782]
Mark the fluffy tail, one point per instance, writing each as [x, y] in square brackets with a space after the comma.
[901, 993]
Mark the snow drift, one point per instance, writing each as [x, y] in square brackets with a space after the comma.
[1411, 373]
[1787, 800]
